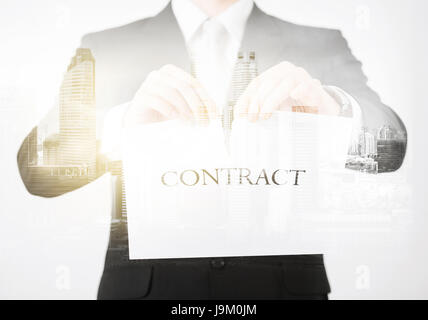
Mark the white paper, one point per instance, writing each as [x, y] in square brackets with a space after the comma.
[214, 210]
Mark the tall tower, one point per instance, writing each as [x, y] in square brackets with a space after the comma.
[77, 115]
[50, 150]
[239, 202]
[244, 72]
[391, 145]
[29, 150]
[368, 146]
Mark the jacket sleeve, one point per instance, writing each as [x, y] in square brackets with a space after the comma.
[383, 136]
[67, 158]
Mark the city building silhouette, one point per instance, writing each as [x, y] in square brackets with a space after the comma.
[77, 115]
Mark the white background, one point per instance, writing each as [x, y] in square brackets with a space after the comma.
[54, 248]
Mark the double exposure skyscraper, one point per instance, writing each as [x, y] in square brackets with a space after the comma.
[29, 149]
[244, 72]
[50, 150]
[377, 150]
[367, 144]
[391, 147]
[77, 115]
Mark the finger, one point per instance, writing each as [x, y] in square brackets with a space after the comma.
[284, 67]
[286, 105]
[158, 86]
[158, 104]
[241, 109]
[278, 96]
[198, 111]
[315, 99]
[273, 74]
[266, 89]
[208, 103]
[253, 110]
[143, 116]
[307, 94]
[201, 99]
[148, 109]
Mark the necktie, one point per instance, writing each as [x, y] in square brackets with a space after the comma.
[210, 60]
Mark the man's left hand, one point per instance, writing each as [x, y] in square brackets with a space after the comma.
[284, 87]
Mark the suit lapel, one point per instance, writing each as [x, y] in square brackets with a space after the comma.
[262, 36]
[169, 43]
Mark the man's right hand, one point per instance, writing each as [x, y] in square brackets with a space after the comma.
[169, 93]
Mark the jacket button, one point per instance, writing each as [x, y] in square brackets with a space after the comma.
[217, 263]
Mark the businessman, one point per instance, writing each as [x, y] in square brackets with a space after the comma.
[144, 75]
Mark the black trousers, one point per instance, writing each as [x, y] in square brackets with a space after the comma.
[274, 277]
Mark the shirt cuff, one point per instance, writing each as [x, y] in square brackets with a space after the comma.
[350, 107]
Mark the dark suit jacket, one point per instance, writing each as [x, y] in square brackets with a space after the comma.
[125, 55]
